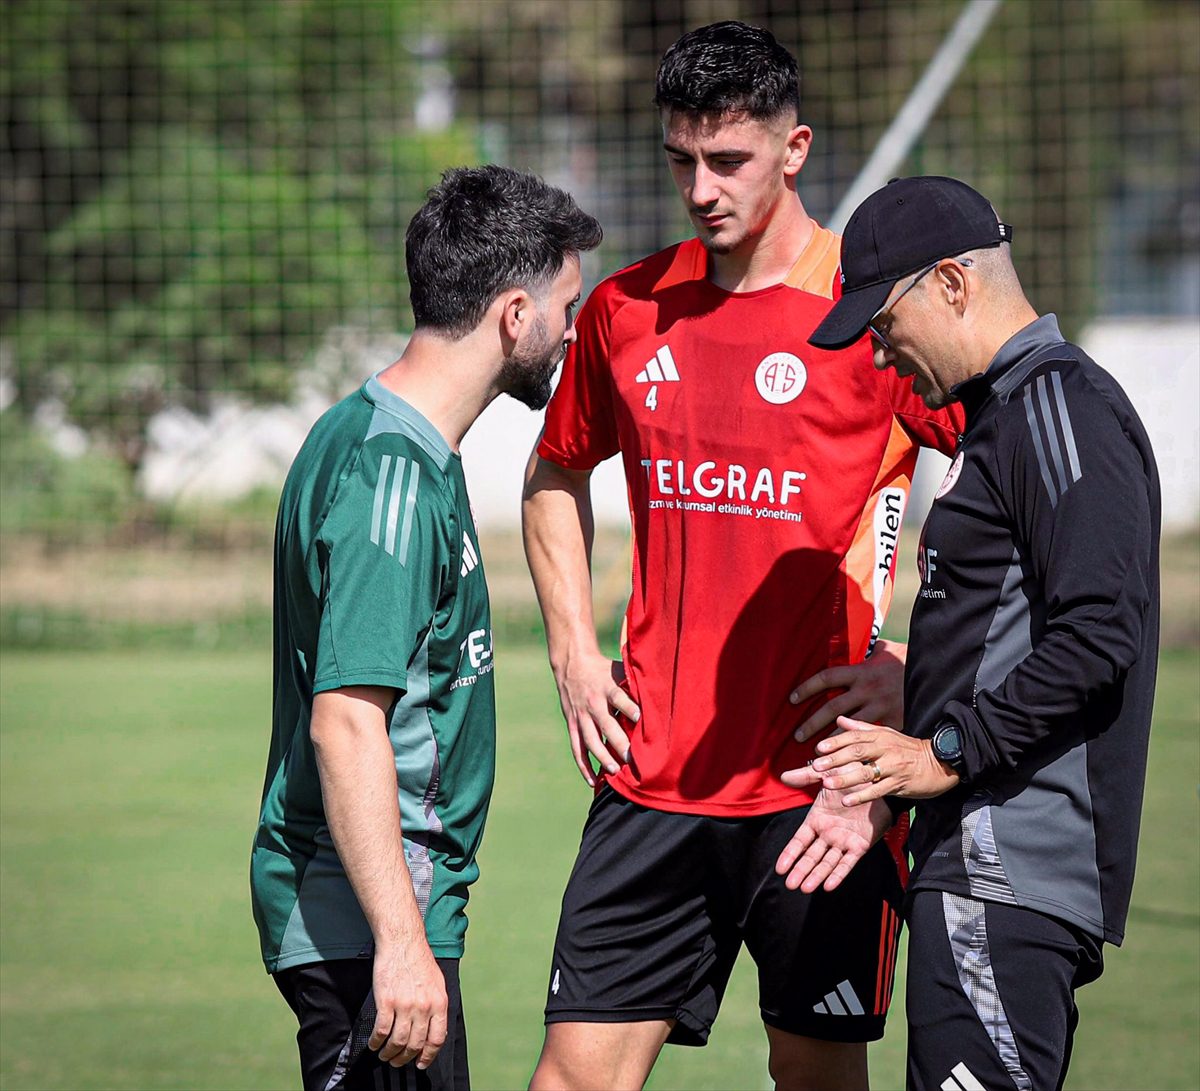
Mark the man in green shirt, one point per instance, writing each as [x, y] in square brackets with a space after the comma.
[383, 737]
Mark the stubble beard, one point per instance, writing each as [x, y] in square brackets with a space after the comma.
[933, 396]
[718, 248]
[526, 374]
[717, 245]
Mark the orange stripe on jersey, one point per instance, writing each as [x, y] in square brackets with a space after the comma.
[870, 562]
[817, 267]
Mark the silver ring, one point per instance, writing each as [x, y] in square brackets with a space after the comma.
[877, 776]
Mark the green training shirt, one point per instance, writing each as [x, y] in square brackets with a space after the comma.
[378, 582]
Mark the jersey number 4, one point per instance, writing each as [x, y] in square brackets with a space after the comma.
[652, 398]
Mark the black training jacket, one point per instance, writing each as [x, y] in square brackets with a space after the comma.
[1036, 631]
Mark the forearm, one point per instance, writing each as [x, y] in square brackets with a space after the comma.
[1048, 689]
[358, 786]
[558, 530]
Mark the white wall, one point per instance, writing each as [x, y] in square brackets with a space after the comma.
[494, 455]
[1157, 361]
[236, 448]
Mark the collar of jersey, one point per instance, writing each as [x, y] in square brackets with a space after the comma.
[392, 403]
[813, 272]
[1005, 372]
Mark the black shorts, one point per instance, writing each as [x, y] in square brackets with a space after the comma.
[659, 905]
[336, 1009]
[991, 994]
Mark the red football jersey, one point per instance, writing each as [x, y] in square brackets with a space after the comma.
[767, 480]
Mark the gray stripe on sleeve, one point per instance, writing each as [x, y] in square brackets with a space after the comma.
[410, 504]
[389, 542]
[1037, 445]
[1052, 442]
[385, 464]
[1068, 432]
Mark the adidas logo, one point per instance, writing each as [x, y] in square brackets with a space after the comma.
[842, 1001]
[962, 1079]
[470, 559]
[660, 369]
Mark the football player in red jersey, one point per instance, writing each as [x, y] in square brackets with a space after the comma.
[767, 480]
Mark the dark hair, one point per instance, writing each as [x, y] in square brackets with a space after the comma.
[482, 231]
[728, 68]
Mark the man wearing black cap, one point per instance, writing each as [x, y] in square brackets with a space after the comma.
[1032, 655]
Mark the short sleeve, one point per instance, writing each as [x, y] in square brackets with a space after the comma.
[383, 553]
[581, 427]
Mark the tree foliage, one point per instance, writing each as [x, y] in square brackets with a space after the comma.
[193, 191]
[199, 189]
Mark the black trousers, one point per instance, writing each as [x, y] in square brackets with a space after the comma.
[991, 994]
[336, 1009]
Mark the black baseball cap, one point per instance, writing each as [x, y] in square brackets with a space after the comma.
[898, 230]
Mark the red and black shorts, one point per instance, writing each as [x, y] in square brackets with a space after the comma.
[659, 905]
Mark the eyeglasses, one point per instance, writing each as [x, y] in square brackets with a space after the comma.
[872, 326]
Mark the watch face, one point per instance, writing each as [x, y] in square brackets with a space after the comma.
[947, 743]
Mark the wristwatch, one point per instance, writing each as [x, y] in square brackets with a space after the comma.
[948, 747]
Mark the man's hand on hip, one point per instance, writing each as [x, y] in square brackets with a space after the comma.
[589, 688]
[871, 690]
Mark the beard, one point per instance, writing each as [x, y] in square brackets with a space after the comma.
[721, 243]
[718, 244]
[720, 248]
[527, 373]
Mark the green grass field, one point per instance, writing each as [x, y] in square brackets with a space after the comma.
[129, 790]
